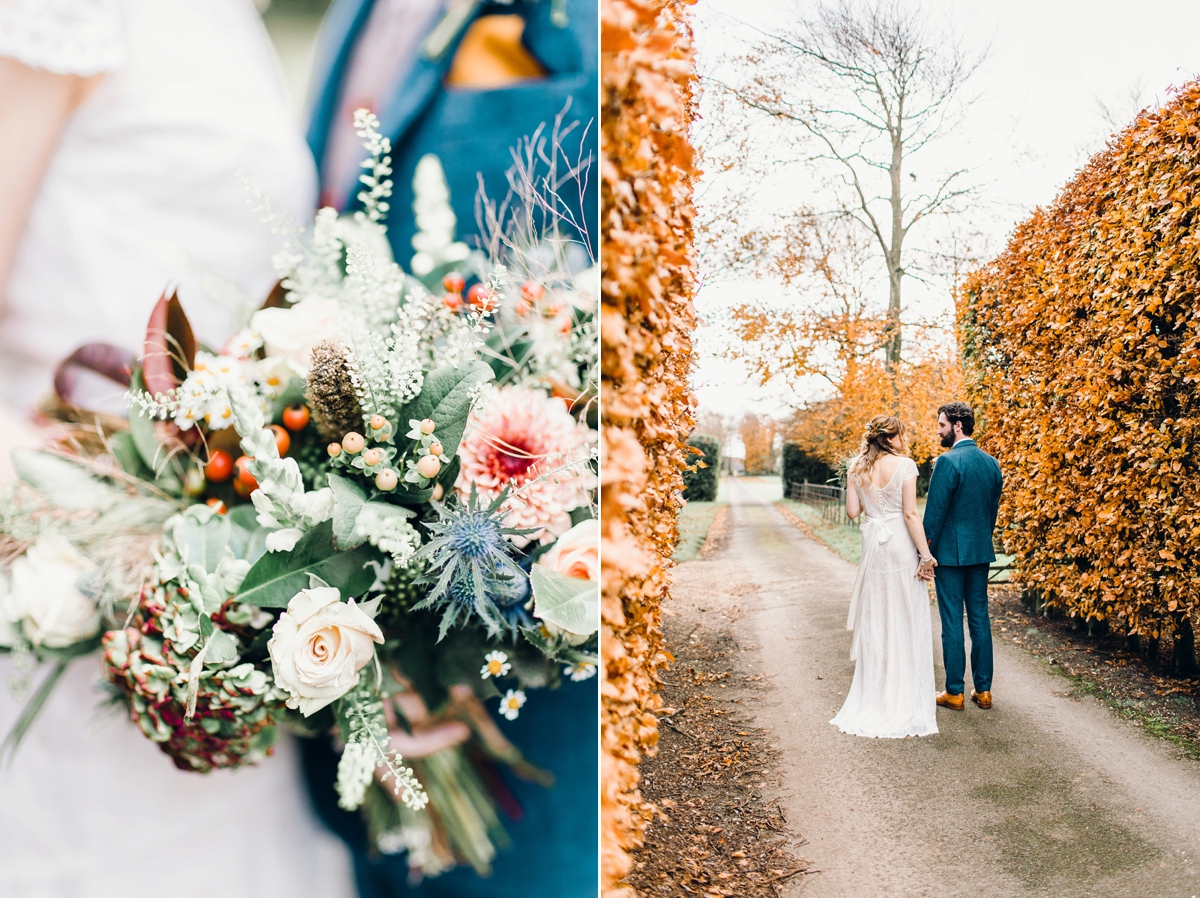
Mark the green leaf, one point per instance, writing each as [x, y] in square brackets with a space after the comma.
[141, 425]
[222, 648]
[348, 500]
[446, 398]
[64, 483]
[205, 543]
[248, 539]
[570, 603]
[206, 626]
[126, 453]
[278, 576]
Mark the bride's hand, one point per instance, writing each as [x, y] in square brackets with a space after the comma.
[925, 568]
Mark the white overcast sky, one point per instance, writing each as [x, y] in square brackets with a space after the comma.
[1051, 64]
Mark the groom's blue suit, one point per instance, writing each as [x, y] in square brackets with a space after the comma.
[960, 515]
[554, 843]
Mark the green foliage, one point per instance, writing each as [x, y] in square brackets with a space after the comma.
[700, 483]
[566, 602]
[446, 399]
[277, 576]
[799, 466]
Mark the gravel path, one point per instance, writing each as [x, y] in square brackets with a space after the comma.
[1043, 795]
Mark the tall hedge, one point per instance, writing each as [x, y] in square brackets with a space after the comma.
[647, 320]
[700, 484]
[1081, 347]
[799, 466]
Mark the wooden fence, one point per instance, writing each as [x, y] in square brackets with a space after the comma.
[831, 500]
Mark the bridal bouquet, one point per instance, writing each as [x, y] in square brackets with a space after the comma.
[369, 512]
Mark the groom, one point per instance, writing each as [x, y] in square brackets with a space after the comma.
[960, 515]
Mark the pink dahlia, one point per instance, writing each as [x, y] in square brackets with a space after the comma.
[520, 436]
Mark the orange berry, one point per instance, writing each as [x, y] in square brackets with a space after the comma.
[217, 505]
[386, 480]
[372, 457]
[452, 301]
[219, 467]
[435, 448]
[353, 442]
[295, 417]
[428, 426]
[283, 440]
[244, 483]
[532, 291]
[454, 282]
[438, 492]
[378, 422]
[334, 449]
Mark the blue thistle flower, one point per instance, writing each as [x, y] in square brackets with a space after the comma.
[471, 565]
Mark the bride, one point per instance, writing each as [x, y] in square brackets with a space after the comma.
[892, 694]
[122, 125]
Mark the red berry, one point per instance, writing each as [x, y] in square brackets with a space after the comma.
[295, 417]
[217, 505]
[481, 298]
[283, 440]
[452, 301]
[219, 467]
[454, 282]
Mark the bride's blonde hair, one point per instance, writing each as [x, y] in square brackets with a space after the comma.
[876, 442]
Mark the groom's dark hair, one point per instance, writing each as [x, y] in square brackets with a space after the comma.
[960, 412]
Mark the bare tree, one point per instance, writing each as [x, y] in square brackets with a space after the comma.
[865, 88]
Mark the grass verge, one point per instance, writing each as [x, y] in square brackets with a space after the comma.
[695, 519]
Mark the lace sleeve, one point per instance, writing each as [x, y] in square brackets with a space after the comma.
[68, 37]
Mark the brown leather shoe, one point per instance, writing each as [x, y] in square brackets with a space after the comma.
[953, 702]
[983, 699]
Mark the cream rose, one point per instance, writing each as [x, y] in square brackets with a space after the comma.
[318, 646]
[44, 596]
[577, 552]
[292, 333]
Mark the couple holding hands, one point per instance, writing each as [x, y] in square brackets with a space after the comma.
[893, 692]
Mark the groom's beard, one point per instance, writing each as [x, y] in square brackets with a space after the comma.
[948, 441]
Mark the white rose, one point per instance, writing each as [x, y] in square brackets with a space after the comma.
[44, 596]
[577, 552]
[319, 645]
[293, 332]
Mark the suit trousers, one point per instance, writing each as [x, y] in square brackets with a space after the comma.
[959, 588]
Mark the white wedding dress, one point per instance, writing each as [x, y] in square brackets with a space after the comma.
[893, 691]
[140, 193]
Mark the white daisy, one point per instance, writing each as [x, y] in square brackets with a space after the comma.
[582, 670]
[496, 665]
[510, 705]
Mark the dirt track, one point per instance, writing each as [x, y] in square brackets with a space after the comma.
[1043, 795]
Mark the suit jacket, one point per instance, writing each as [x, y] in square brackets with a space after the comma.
[960, 510]
[471, 131]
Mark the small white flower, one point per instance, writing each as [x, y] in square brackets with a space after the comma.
[496, 666]
[583, 670]
[511, 704]
[355, 769]
[244, 344]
